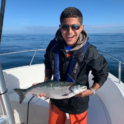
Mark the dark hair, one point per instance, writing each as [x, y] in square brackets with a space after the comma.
[71, 12]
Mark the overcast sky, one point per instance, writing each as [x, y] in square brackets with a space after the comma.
[42, 16]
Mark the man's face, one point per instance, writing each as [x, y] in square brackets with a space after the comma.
[69, 34]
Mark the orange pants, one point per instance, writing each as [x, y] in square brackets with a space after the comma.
[58, 117]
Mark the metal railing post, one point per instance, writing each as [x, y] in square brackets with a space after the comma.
[7, 113]
[119, 71]
[33, 57]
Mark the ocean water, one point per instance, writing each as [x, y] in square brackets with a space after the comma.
[112, 44]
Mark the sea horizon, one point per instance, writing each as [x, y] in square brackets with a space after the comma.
[112, 44]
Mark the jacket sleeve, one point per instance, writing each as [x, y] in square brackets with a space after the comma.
[47, 57]
[99, 69]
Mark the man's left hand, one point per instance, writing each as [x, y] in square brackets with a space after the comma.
[87, 92]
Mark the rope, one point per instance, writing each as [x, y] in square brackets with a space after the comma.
[28, 108]
[4, 92]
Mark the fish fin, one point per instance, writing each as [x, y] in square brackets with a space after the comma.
[66, 94]
[21, 94]
[46, 98]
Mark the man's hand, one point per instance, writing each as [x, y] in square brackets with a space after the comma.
[41, 94]
[87, 92]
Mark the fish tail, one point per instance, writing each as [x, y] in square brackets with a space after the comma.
[21, 93]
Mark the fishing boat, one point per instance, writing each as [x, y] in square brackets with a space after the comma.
[105, 107]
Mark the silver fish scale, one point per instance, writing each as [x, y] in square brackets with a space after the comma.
[52, 89]
[61, 90]
[55, 89]
[52, 92]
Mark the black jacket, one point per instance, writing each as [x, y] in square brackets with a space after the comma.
[83, 64]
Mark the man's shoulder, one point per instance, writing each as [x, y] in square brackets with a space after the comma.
[52, 44]
[92, 52]
[53, 41]
[91, 46]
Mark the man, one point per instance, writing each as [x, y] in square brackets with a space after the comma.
[69, 57]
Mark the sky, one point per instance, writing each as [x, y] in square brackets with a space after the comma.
[43, 16]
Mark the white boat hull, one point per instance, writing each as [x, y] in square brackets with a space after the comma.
[106, 107]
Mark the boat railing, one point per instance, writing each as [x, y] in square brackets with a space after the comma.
[119, 62]
[25, 52]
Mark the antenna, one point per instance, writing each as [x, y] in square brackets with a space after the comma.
[2, 16]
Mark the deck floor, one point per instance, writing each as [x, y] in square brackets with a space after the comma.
[97, 112]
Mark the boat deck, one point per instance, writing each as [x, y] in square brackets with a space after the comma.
[97, 112]
[38, 110]
[105, 107]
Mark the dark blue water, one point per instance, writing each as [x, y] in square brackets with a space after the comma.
[112, 44]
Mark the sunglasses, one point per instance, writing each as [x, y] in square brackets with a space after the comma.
[74, 26]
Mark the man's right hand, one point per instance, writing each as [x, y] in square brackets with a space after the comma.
[41, 94]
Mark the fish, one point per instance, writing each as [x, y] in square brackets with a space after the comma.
[53, 89]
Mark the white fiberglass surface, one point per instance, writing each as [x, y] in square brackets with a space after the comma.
[112, 95]
[106, 106]
[39, 110]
